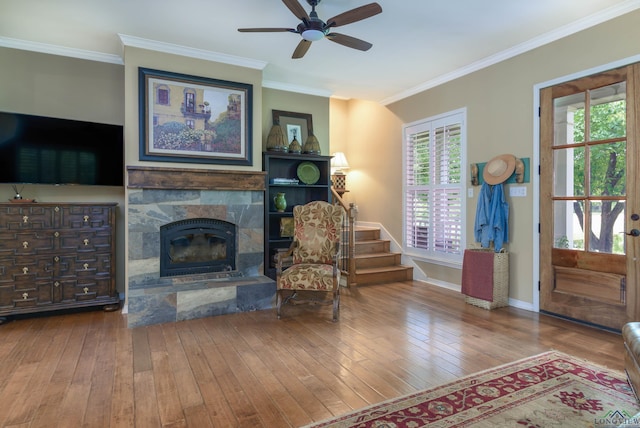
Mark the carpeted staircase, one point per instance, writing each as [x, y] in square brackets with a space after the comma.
[375, 263]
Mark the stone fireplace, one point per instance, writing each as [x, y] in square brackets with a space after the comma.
[204, 230]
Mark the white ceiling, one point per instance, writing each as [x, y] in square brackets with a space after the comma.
[416, 43]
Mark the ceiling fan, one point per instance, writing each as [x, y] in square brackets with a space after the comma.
[313, 28]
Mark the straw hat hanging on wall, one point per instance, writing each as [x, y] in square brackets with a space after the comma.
[499, 169]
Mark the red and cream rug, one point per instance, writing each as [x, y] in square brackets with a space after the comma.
[547, 390]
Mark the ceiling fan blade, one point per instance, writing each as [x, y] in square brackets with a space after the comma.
[301, 49]
[353, 15]
[296, 8]
[348, 41]
[266, 30]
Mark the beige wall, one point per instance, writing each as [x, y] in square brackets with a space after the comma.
[499, 102]
[263, 102]
[135, 57]
[50, 85]
[317, 107]
[374, 150]
[339, 120]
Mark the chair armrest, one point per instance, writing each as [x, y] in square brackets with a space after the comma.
[281, 256]
[336, 258]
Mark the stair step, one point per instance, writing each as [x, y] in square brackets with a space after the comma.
[373, 260]
[372, 246]
[375, 263]
[383, 274]
[367, 234]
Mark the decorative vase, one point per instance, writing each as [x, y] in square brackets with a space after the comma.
[280, 202]
[18, 192]
[311, 146]
[276, 140]
[294, 146]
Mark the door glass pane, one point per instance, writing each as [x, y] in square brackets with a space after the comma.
[568, 119]
[608, 112]
[568, 171]
[607, 163]
[568, 221]
[607, 226]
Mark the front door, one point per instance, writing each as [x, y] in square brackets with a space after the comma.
[589, 208]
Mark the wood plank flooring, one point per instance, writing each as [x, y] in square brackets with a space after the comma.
[252, 370]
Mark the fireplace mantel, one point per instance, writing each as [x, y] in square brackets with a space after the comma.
[193, 179]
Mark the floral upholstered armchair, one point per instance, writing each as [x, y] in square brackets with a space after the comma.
[315, 251]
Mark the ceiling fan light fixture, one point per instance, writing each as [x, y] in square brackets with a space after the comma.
[311, 28]
[312, 35]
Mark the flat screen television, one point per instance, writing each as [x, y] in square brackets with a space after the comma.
[47, 150]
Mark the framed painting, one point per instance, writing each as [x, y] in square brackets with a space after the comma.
[194, 119]
[298, 125]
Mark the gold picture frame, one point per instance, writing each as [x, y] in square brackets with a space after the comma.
[286, 227]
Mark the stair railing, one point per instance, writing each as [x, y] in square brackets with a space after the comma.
[347, 262]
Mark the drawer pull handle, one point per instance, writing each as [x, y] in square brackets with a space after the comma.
[86, 266]
[25, 270]
[56, 259]
[25, 244]
[57, 284]
[24, 296]
[56, 209]
[25, 219]
[86, 242]
[56, 234]
[86, 290]
[86, 219]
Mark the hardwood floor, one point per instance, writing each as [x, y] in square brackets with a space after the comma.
[252, 370]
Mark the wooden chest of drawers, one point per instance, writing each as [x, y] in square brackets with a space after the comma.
[56, 256]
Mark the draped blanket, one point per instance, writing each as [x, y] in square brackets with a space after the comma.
[477, 274]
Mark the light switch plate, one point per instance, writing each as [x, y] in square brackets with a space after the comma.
[470, 192]
[518, 191]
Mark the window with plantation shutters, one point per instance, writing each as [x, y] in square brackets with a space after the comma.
[433, 189]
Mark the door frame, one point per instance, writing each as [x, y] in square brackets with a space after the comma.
[536, 159]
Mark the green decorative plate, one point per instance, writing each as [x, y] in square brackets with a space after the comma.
[308, 173]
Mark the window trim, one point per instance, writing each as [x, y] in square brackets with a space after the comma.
[453, 261]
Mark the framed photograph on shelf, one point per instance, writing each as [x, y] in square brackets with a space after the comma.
[298, 125]
[286, 227]
[194, 119]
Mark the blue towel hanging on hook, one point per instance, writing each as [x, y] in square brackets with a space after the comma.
[492, 217]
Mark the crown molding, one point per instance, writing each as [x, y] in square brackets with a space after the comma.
[552, 36]
[46, 48]
[138, 42]
[271, 84]
[126, 40]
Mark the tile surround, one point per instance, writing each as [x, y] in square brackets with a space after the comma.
[152, 299]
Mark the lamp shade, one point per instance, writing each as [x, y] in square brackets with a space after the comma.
[339, 162]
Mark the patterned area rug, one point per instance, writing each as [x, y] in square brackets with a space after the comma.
[547, 390]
